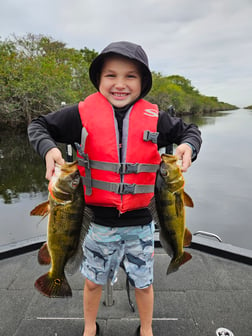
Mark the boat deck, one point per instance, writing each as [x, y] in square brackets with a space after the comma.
[207, 293]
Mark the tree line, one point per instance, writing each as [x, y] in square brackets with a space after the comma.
[38, 73]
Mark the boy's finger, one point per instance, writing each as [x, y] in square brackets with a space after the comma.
[186, 162]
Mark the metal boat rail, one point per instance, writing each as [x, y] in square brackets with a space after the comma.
[207, 244]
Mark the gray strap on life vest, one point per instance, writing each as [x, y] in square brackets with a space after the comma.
[120, 188]
[150, 136]
[131, 168]
[121, 168]
[108, 166]
[84, 134]
[85, 160]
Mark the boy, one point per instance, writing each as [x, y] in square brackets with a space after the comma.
[120, 134]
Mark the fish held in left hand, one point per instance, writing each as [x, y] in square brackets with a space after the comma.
[168, 210]
[68, 223]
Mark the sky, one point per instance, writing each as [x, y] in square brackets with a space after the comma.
[208, 42]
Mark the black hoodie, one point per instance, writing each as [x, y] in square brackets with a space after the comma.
[126, 49]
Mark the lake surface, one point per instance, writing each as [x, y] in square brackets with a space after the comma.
[219, 182]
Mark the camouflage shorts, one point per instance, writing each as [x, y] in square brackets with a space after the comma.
[105, 249]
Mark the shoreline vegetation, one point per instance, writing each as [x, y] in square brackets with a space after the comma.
[38, 73]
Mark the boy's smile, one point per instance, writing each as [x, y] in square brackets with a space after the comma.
[120, 81]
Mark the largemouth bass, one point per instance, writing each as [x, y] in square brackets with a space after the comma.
[67, 227]
[170, 199]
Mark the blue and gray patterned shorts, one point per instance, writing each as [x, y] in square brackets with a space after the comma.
[105, 249]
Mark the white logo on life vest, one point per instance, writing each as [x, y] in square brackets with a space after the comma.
[151, 113]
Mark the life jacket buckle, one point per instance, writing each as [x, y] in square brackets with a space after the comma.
[150, 136]
[126, 188]
[86, 161]
[129, 168]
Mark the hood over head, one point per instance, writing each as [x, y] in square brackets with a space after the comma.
[126, 49]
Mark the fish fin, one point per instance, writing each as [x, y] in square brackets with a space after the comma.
[188, 201]
[53, 287]
[187, 238]
[176, 263]
[164, 243]
[153, 210]
[179, 206]
[41, 209]
[74, 262]
[44, 257]
[86, 222]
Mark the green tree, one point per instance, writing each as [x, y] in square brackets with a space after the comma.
[177, 91]
[37, 74]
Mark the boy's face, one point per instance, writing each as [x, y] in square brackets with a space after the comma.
[120, 81]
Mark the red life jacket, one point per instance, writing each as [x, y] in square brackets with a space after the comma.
[129, 184]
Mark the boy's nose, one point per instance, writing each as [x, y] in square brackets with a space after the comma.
[120, 83]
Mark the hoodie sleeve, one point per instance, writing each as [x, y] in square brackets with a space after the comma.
[173, 130]
[62, 126]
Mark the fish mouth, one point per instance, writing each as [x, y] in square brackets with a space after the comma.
[169, 158]
[66, 167]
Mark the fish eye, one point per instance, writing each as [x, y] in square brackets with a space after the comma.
[163, 171]
[75, 181]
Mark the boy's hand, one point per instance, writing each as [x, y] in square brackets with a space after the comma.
[184, 153]
[52, 156]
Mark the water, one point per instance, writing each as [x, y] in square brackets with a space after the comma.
[219, 183]
[220, 180]
[22, 187]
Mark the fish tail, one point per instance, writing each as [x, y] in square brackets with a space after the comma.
[176, 263]
[53, 287]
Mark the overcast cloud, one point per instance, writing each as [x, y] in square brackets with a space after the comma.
[208, 42]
